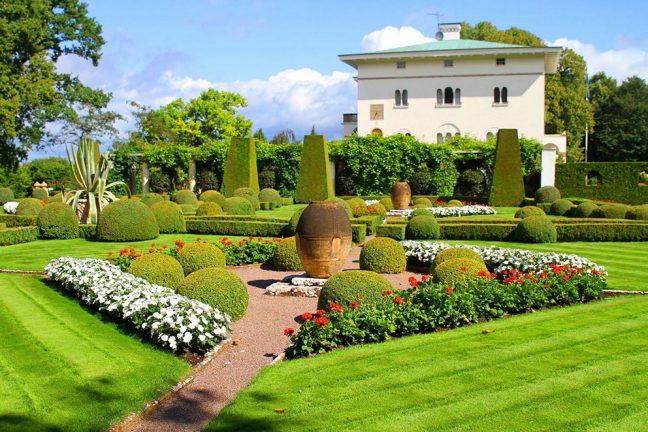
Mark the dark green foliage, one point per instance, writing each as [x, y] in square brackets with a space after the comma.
[196, 256]
[422, 200]
[213, 196]
[471, 182]
[561, 207]
[358, 233]
[454, 253]
[87, 231]
[240, 167]
[169, 217]
[422, 228]
[527, 211]
[270, 195]
[14, 221]
[620, 181]
[387, 202]
[315, 183]
[267, 178]
[294, 220]
[584, 210]
[159, 269]
[127, 220]
[160, 181]
[151, 198]
[422, 181]
[208, 180]
[536, 229]
[250, 195]
[185, 197]
[421, 212]
[395, 231]
[30, 207]
[208, 208]
[238, 206]
[457, 270]
[345, 287]
[18, 235]
[547, 195]
[236, 227]
[345, 205]
[58, 221]
[638, 212]
[383, 255]
[507, 186]
[40, 194]
[219, 288]
[6, 195]
[286, 257]
[610, 211]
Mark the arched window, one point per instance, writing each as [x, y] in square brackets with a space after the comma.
[496, 95]
[439, 97]
[377, 132]
[397, 97]
[457, 97]
[439, 137]
[448, 137]
[490, 135]
[457, 135]
[405, 102]
[504, 95]
[448, 96]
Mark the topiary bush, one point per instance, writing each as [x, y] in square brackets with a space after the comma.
[422, 181]
[471, 182]
[457, 270]
[454, 253]
[455, 203]
[238, 206]
[188, 209]
[387, 202]
[30, 207]
[638, 212]
[219, 288]
[345, 287]
[127, 220]
[208, 209]
[250, 195]
[185, 196]
[270, 195]
[213, 196]
[159, 269]
[527, 211]
[421, 212]
[240, 167]
[561, 207]
[57, 197]
[422, 228]
[507, 183]
[377, 208]
[607, 211]
[294, 220]
[58, 221]
[40, 194]
[383, 255]
[584, 210]
[424, 201]
[314, 183]
[6, 195]
[169, 217]
[547, 194]
[286, 257]
[535, 229]
[151, 198]
[198, 256]
[356, 202]
[345, 205]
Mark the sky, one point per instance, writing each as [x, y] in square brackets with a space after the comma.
[282, 55]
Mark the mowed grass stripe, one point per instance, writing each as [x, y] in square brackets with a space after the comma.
[575, 368]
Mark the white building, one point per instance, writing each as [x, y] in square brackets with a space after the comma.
[452, 86]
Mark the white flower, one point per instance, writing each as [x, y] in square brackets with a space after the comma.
[10, 207]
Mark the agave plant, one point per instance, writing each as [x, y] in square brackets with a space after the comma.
[90, 170]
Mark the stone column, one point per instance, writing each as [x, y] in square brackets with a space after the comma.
[145, 178]
[548, 173]
[192, 175]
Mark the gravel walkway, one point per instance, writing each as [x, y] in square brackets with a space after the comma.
[260, 336]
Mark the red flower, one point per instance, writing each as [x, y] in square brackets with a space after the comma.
[386, 293]
[595, 272]
[449, 290]
[152, 244]
[413, 282]
[425, 278]
[241, 243]
[110, 254]
[110, 261]
[320, 312]
[164, 247]
[306, 316]
[483, 274]
[463, 269]
[151, 250]
[547, 286]
[398, 300]
[566, 278]
[543, 274]
[198, 239]
[289, 331]
[321, 321]
[336, 307]
[179, 243]
[355, 304]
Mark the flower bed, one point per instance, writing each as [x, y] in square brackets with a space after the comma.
[173, 321]
[10, 207]
[440, 212]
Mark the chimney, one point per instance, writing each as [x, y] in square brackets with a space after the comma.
[450, 31]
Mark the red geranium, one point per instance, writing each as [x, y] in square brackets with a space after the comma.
[320, 312]
[336, 307]
[289, 331]
[321, 321]
[449, 290]
[398, 300]
[386, 293]
[355, 304]
[425, 278]
[306, 316]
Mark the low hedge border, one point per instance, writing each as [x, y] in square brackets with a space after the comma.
[18, 235]
[359, 233]
[87, 231]
[393, 230]
[397, 221]
[246, 218]
[371, 222]
[478, 231]
[287, 201]
[15, 221]
[236, 227]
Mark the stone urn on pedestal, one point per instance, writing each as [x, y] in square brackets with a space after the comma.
[401, 195]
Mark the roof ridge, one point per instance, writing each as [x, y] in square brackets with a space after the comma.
[451, 44]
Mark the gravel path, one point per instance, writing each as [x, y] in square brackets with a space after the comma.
[260, 336]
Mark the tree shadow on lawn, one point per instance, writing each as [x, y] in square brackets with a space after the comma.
[20, 423]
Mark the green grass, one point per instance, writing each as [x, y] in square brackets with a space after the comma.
[64, 368]
[581, 368]
[283, 211]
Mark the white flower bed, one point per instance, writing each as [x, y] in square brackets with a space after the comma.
[500, 259]
[369, 202]
[10, 207]
[172, 320]
[467, 210]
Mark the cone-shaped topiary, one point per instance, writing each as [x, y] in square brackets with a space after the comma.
[607, 211]
[584, 209]
[40, 194]
[159, 269]
[387, 202]
[345, 205]
[547, 195]
[270, 195]
[198, 256]
[286, 257]
[250, 195]
[58, 221]
[314, 183]
[383, 255]
[6, 195]
[294, 220]
[240, 167]
[345, 287]
[213, 196]
[561, 207]
[458, 270]
[527, 211]
[421, 212]
[536, 229]
[424, 201]
[507, 185]
[127, 220]
[185, 197]
[30, 207]
[209, 208]
[151, 198]
[422, 228]
[454, 253]
[238, 206]
[169, 217]
[638, 212]
[219, 288]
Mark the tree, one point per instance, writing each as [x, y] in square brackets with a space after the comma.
[259, 135]
[35, 34]
[601, 88]
[285, 136]
[622, 123]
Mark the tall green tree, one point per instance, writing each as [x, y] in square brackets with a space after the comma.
[601, 88]
[284, 136]
[259, 135]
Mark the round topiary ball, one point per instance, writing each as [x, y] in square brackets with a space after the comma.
[638, 212]
[454, 253]
[383, 255]
[457, 270]
[198, 256]
[270, 195]
[30, 207]
[58, 221]
[421, 212]
[422, 228]
[536, 229]
[208, 209]
[608, 211]
[356, 202]
[218, 288]
[527, 211]
[387, 202]
[185, 197]
[585, 209]
[169, 217]
[151, 198]
[286, 256]
[547, 194]
[158, 269]
[345, 205]
[455, 203]
[238, 206]
[127, 220]
[424, 201]
[6, 195]
[377, 209]
[250, 195]
[294, 220]
[345, 287]
[40, 194]
[213, 196]
[561, 207]
[56, 198]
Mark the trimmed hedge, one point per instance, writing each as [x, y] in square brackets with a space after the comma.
[584, 210]
[294, 220]
[500, 231]
[638, 212]
[208, 208]
[454, 253]
[6, 195]
[345, 287]
[30, 207]
[358, 233]
[527, 211]
[213, 196]
[270, 195]
[197, 256]
[458, 270]
[15, 221]
[151, 198]
[87, 231]
[395, 231]
[219, 288]
[238, 206]
[169, 216]
[159, 269]
[287, 201]
[240, 227]
[240, 167]
[383, 255]
[18, 235]
[608, 231]
[610, 211]
[561, 207]
[185, 197]
[507, 184]
[547, 195]
[58, 221]
[315, 183]
[249, 194]
[422, 228]
[40, 194]
[421, 200]
[536, 229]
[286, 257]
[127, 220]
[371, 221]
[345, 205]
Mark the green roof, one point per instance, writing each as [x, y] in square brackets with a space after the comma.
[448, 45]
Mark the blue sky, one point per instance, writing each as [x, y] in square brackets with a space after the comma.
[282, 55]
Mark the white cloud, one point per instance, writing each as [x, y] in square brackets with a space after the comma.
[392, 37]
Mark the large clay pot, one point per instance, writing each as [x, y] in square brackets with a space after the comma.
[323, 238]
[401, 195]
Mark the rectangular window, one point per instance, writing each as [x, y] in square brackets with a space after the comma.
[500, 61]
[400, 65]
[448, 63]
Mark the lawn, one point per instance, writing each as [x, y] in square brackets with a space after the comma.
[64, 368]
[578, 368]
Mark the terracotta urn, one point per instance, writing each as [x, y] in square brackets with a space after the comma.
[323, 238]
[401, 195]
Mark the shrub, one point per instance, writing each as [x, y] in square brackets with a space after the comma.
[250, 195]
[286, 257]
[345, 205]
[240, 226]
[547, 194]
[270, 195]
[208, 180]
[395, 231]
[387, 202]
[58, 221]
[240, 167]
[56, 198]
[358, 233]
[6, 195]
[607, 211]
[421, 212]
[159, 269]
[185, 197]
[585, 209]
[383, 255]
[17, 235]
[500, 231]
[422, 228]
[218, 288]
[189, 209]
[196, 256]
[455, 203]
[238, 206]
[377, 208]
[457, 270]
[507, 184]
[30, 207]
[294, 220]
[40, 194]
[127, 220]
[424, 201]
[561, 207]
[536, 229]
[356, 202]
[151, 198]
[209, 208]
[422, 181]
[638, 212]
[267, 178]
[345, 287]
[315, 183]
[169, 217]
[471, 182]
[527, 211]
[454, 253]
[213, 196]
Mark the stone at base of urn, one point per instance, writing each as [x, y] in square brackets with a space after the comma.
[296, 287]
